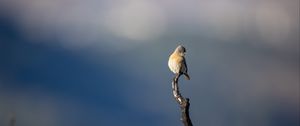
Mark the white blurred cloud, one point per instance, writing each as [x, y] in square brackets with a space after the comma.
[121, 25]
[136, 20]
[223, 18]
[74, 24]
[80, 24]
[273, 23]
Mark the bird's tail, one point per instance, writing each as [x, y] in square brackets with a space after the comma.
[186, 76]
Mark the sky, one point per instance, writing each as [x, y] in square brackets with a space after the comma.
[104, 62]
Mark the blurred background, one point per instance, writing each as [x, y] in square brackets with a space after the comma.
[104, 62]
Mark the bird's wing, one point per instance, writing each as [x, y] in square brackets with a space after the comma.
[184, 63]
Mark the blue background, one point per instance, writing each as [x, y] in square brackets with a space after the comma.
[75, 63]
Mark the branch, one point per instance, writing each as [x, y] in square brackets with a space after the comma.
[183, 102]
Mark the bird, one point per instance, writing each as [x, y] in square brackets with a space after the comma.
[177, 63]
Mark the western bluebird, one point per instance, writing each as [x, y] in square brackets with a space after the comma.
[177, 62]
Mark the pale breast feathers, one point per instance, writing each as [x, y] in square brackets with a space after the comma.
[175, 63]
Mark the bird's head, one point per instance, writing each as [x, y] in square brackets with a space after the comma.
[181, 50]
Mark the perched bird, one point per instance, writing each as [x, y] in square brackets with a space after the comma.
[177, 63]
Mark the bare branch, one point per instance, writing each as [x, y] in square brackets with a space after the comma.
[183, 102]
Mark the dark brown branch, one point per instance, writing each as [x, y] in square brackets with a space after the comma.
[183, 102]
